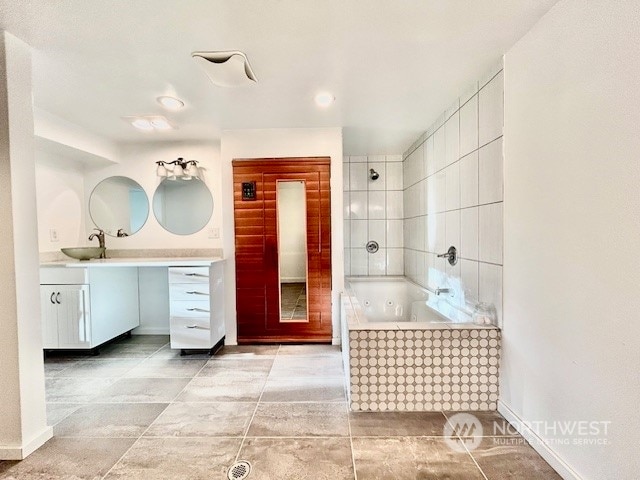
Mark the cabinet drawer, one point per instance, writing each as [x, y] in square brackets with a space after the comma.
[63, 276]
[189, 275]
[190, 333]
[189, 291]
[190, 309]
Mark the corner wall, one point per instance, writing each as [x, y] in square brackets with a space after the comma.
[571, 339]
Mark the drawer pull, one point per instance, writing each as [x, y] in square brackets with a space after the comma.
[197, 293]
[197, 310]
[196, 275]
[191, 326]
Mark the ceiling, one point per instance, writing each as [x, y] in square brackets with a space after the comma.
[393, 66]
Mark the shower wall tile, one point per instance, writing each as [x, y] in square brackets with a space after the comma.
[460, 202]
[374, 209]
[452, 139]
[358, 176]
[490, 172]
[490, 233]
[469, 126]
[377, 203]
[394, 176]
[491, 110]
[469, 180]
[345, 175]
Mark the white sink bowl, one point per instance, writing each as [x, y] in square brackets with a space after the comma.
[83, 253]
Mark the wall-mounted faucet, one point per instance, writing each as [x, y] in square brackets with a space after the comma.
[100, 237]
[439, 290]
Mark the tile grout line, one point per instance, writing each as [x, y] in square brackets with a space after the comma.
[464, 445]
[264, 385]
[353, 457]
[154, 420]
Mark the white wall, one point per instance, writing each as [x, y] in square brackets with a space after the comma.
[23, 425]
[61, 202]
[571, 335]
[273, 143]
[373, 211]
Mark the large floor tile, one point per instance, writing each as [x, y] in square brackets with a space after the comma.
[304, 389]
[55, 365]
[299, 458]
[109, 420]
[69, 458]
[148, 340]
[112, 367]
[177, 458]
[144, 390]
[167, 368]
[299, 420]
[411, 458]
[126, 350]
[247, 351]
[230, 366]
[58, 411]
[331, 350]
[512, 459]
[203, 420]
[75, 390]
[394, 424]
[307, 366]
[206, 389]
[172, 353]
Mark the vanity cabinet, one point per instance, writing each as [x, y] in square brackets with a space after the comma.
[66, 321]
[196, 306]
[83, 308]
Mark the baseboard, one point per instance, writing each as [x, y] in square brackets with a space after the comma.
[150, 331]
[538, 444]
[22, 452]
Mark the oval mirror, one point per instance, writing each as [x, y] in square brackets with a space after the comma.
[119, 206]
[182, 206]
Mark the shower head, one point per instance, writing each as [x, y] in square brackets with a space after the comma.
[373, 175]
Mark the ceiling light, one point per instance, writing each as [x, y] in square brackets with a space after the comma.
[170, 103]
[324, 99]
[149, 123]
[226, 69]
[142, 124]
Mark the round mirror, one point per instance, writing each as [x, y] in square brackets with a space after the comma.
[182, 206]
[119, 206]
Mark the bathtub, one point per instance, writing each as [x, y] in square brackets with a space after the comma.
[411, 350]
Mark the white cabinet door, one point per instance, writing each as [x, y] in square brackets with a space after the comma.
[49, 309]
[74, 323]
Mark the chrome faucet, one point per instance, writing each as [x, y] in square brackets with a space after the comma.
[100, 237]
[439, 290]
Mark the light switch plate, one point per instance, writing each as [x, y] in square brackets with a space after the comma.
[53, 235]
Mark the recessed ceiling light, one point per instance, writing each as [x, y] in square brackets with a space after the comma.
[149, 123]
[324, 99]
[170, 103]
[142, 124]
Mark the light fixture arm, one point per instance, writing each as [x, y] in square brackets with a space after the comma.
[186, 170]
[179, 161]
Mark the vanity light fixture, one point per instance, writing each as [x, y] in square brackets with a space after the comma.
[170, 103]
[178, 169]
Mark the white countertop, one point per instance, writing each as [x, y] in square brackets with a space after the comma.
[136, 262]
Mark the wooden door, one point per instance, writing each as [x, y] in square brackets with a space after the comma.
[256, 238]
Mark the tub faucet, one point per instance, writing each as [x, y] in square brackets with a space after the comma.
[442, 290]
[100, 237]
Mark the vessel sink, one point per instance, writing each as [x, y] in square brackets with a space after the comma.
[83, 253]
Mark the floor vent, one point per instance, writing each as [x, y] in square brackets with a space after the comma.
[239, 470]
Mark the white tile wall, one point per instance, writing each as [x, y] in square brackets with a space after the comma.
[460, 202]
[376, 211]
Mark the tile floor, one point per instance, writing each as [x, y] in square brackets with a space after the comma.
[140, 411]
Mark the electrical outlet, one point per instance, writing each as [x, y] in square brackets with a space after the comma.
[214, 233]
[53, 235]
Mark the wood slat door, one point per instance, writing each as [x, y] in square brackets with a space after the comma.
[257, 272]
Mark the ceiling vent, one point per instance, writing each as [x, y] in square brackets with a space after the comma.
[226, 69]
